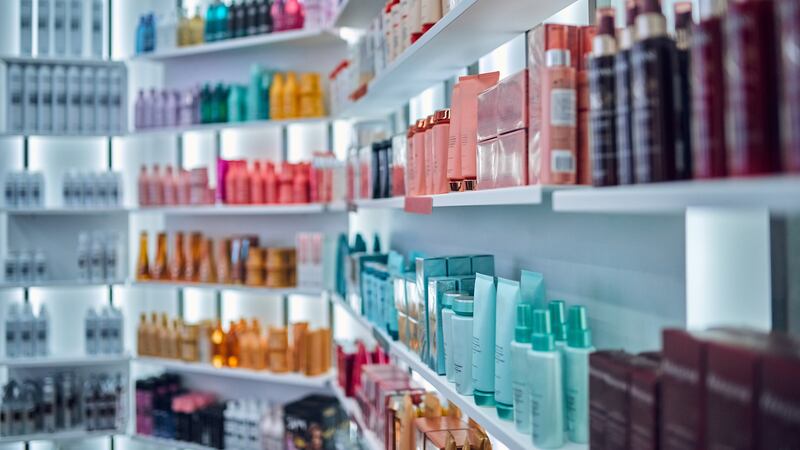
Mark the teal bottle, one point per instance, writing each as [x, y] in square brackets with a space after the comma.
[206, 104]
[222, 102]
[263, 95]
[545, 384]
[558, 323]
[237, 104]
[254, 101]
[576, 357]
[520, 376]
[211, 23]
[222, 29]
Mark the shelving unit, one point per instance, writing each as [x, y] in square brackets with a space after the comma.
[62, 211]
[354, 412]
[60, 436]
[212, 127]
[167, 443]
[244, 210]
[449, 47]
[294, 38]
[358, 13]
[519, 195]
[293, 379]
[256, 290]
[61, 284]
[65, 361]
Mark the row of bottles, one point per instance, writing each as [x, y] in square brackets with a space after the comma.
[98, 257]
[241, 345]
[59, 26]
[23, 190]
[27, 335]
[25, 266]
[104, 331]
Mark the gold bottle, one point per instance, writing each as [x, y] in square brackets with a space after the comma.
[306, 95]
[152, 335]
[219, 349]
[196, 28]
[183, 29]
[193, 256]
[262, 355]
[175, 338]
[276, 98]
[319, 101]
[143, 263]
[141, 335]
[300, 339]
[189, 337]
[208, 269]
[232, 342]
[224, 262]
[278, 349]
[291, 97]
[177, 264]
[255, 267]
[164, 338]
[160, 265]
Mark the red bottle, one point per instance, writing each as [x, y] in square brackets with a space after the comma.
[300, 184]
[242, 184]
[170, 194]
[277, 12]
[789, 25]
[230, 183]
[256, 184]
[270, 185]
[155, 187]
[751, 82]
[285, 188]
[293, 15]
[143, 181]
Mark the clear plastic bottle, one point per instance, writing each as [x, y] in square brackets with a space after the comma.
[90, 328]
[111, 257]
[25, 266]
[27, 329]
[84, 250]
[97, 259]
[12, 339]
[39, 266]
[42, 335]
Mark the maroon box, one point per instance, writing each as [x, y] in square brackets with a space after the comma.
[616, 400]
[683, 391]
[599, 363]
[778, 413]
[644, 394]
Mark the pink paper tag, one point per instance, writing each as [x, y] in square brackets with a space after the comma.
[419, 205]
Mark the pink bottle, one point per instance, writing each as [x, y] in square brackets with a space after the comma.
[257, 184]
[441, 134]
[170, 185]
[270, 184]
[300, 184]
[278, 16]
[183, 187]
[293, 15]
[155, 187]
[242, 184]
[230, 187]
[285, 194]
[417, 180]
[144, 192]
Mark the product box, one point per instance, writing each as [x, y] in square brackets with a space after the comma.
[483, 264]
[424, 425]
[401, 308]
[413, 312]
[466, 284]
[394, 405]
[644, 401]
[437, 287]
[487, 164]
[459, 265]
[617, 382]
[512, 104]
[463, 439]
[599, 368]
[512, 159]
[314, 418]
[487, 113]
[778, 412]
[683, 390]
[425, 269]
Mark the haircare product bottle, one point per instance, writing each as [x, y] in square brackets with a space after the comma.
[76, 28]
[602, 109]
[586, 35]
[624, 97]
[26, 27]
[159, 271]
[576, 358]
[419, 150]
[751, 81]
[447, 331]
[97, 29]
[88, 93]
[101, 105]
[559, 119]
[16, 96]
[483, 339]
[429, 155]
[74, 100]
[683, 111]
[789, 24]
[463, 307]
[653, 68]
[471, 86]
[43, 27]
[441, 135]
[545, 385]
[59, 27]
[454, 175]
[508, 298]
[708, 92]
[30, 99]
[520, 375]
[143, 264]
[45, 112]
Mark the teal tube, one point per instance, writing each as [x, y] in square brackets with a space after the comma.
[483, 336]
[508, 297]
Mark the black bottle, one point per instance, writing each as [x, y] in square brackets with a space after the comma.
[376, 169]
[264, 16]
[624, 103]
[251, 18]
[241, 19]
[603, 147]
[683, 109]
[233, 10]
[653, 69]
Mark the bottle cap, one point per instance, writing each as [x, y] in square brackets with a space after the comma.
[542, 338]
[605, 25]
[449, 298]
[557, 57]
[411, 130]
[464, 305]
[421, 125]
[683, 15]
[558, 319]
[442, 116]
[523, 330]
[505, 412]
[430, 121]
[650, 7]
[578, 333]
[484, 398]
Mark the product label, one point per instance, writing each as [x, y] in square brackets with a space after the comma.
[562, 161]
[563, 107]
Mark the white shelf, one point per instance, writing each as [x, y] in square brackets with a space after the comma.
[358, 13]
[208, 127]
[354, 412]
[63, 211]
[469, 31]
[167, 443]
[503, 431]
[61, 60]
[65, 361]
[230, 287]
[519, 195]
[72, 435]
[244, 210]
[60, 284]
[780, 193]
[299, 38]
[379, 203]
[40, 134]
[293, 379]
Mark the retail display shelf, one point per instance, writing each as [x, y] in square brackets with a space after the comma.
[72, 435]
[19, 59]
[300, 38]
[229, 287]
[60, 284]
[358, 13]
[354, 412]
[65, 361]
[244, 210]
[294, 379]
[60, 136]
[222, 126]
[502, 430]
[519, 195]
[167, 443]
[779, 193]
[62, 211]
[469, 31]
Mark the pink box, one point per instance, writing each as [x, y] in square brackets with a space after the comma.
[487, 164]
[512, 103]
[511, 160]
[488, 101]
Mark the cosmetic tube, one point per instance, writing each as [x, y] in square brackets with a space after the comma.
[429, 155]
[545, 384]
[559, 120]
[471, 86]
[576, 358]
[520, 375]
[462, 321]
[483, 339]
[437, 288]
[653, 66]
[508, 297]
[447, 333]
[441, 135]
[532, 289]
[624, 98]
[602, 109]
[789, 24]
[454, 176]
[708, 93]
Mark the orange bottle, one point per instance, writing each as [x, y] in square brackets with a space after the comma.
[559, 120]
[219, 348]
[262, 357]
[193, 256]
[242, 185]
[160, 266]
[306, 94]
[232, 343]
[257, 184]
[291, 97]
[207, 272]
[141, 335]
[175, 338]
[151, 335]
[276, 98]
[300, 184]
[177, 264]
[164, 335]
[224, 261]
[143, 263]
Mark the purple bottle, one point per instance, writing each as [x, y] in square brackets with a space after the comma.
[139, 115]
[149, 113]
[158, 109]
[171, 102]
[196, 117]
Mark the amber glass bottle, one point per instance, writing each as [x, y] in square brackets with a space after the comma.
[232, 342]
[160, 265]
[219, 349]
[177, 264]
[143, 264]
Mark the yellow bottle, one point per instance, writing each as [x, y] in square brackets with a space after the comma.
[196, 27]
[143, 263]
[160, 266]
[175, 338]
[291, 97]
[307, 96]
[232, 342]
[141, 335]
[219, 350]
[183, 29]
[164, 338]
[319, 102]
[276, 97]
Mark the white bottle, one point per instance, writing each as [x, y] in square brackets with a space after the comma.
[26, 27]
[60, 27]
[11, 267]
[114, 180]
[59, 100]
[277, 428]
[44, 27]
[27, 329]
[31, 99]
[39, 266]
[97, 259]
[66, 190]
[10, 190]
[73, 100]
[16, 95]
[102, 100]
[86, 181]
[76, 28]
[88, 123]
[99, 194]
[43, 332]
[45, 118]
[83, 257]
[546, 385]
[111, 257]
[118, 331]
[105, 342]
[265, 428]
[115, 101]
[25, 266]
[12, 331]
[228, 425]
[97, 29]
[90, 325]
[37, 190]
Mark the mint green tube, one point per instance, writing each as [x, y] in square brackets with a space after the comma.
[508, 297]
[483, 339]
[531, 287]
[576, 358]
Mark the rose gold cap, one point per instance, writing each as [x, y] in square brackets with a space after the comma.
[420, 127]
[430, 121]
[442, 116]
[470, 183]
[411, 130]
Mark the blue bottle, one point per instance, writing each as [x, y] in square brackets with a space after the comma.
[140, 35]
[150, 35]
[211, 23]
[222, 21]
